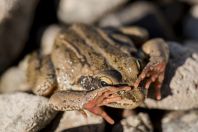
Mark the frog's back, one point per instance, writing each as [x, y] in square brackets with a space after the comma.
[83, 50]
[103, 44]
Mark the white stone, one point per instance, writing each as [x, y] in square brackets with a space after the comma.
[181, 81]
[22, 112]
[48, 39]
[183, 121]
[85, 11]
[139, 122]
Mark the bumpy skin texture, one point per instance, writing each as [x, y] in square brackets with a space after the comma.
[90, 67]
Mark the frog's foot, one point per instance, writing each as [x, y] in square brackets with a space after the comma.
[106, 96]
[154, 73]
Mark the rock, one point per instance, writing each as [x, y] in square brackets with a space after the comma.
[143, 14]
[48, 38]
[74, 120]
[14, 79]
[186, 121]
[173, 11]
[190, 26]
[17, 75]
[22, 112]
[181, 81]
[15, 21]
[192, 45]
[85, 11]
[135, 123]
[189, 1]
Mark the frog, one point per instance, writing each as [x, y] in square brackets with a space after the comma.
[91, 67]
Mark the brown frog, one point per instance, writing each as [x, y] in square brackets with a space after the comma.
[90, 67]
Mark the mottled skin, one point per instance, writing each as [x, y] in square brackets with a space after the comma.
[91, 67]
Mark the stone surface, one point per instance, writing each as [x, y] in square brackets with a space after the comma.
[75, 120]
[190, 26]
[14, 79]
[173, 11]
[48, 38]
[137, 123]
[15, 20]
[181, 81]
[143, 14]
[180, 122]
[190, 1]
[85, 11]
[22, 112]
[192, 45]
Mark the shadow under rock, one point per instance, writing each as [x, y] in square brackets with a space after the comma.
[86, 128]
[51, 127]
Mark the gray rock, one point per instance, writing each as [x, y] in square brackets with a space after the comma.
[74, 120]
[17, 75]
[137, 123]
[48, 38]
[189, 1]
[85, 11]
[14, 79]
[143, 14]
[21, 112]
[180, 122]
[15, 20]
[181, 81]
[190, 26]
[192, 45]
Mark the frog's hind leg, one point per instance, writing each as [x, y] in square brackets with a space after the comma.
[104, 96]
[41, 75]
[89, 100]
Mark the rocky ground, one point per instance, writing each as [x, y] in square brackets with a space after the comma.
[26, 26]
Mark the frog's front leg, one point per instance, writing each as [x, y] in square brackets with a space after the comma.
[91, 101]
[158, 52]
[41, 75]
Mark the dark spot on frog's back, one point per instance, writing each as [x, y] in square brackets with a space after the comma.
[56, 46]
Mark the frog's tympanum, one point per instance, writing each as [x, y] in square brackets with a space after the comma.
[90, 67]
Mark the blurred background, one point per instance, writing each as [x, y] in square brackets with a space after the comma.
[22, 24]
[29, 25]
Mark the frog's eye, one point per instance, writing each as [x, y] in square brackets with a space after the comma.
[105, 81]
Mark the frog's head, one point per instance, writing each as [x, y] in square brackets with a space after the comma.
[130, 99]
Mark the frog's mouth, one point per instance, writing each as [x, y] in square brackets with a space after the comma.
[89, 83]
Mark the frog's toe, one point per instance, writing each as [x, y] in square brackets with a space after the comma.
[158, 85]
[153, 73]
[113, 98]
[104, 97]
[97, 110]
[157, 79]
